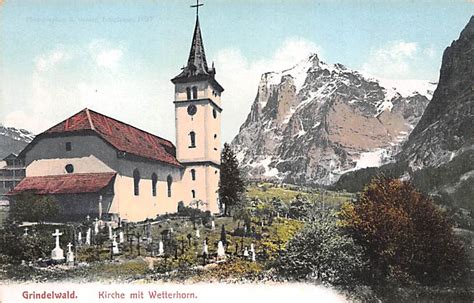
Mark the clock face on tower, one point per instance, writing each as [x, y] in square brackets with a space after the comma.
[192, 109]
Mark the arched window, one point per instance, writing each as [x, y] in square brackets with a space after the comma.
[193, 174]
[169, 180]
[195, 92]
[192, 139]
[193, 193]
[188, 93]
[136, 182]
[154, 180]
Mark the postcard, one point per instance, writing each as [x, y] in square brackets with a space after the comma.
[242, 151]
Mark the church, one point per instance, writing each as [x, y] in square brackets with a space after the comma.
[94, 165]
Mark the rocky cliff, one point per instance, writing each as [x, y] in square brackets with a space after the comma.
[313, 122]
[438, 156]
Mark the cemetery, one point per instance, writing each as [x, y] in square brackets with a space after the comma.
[189, 245]
[277, 233]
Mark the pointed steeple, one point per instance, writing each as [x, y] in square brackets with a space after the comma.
[197, 63]
[197, 57]
[196, 68]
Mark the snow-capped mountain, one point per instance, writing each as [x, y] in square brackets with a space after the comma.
[314, 121]
[13, 140]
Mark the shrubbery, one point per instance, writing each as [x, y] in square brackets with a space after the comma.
[34, 208]
[320, 251]
[405, 236]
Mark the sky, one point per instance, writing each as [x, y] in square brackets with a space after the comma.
[117, 57]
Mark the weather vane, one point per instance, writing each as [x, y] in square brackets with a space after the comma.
[197, 5]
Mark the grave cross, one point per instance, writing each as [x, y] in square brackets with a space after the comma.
[57, 234]
[26, 232]
[70, 254]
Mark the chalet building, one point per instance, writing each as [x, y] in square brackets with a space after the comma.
[96, 165]
[12, 171]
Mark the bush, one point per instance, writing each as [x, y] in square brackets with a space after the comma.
[31, 207]
[299, 207]
[405, 236]
[38, 243]
[276, 238]
[321, 251]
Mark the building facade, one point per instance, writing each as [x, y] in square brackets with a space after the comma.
[12, 171]
[98, 166]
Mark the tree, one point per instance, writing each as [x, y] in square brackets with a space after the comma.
[231, 186]
[243, 212]
[321, 251]
[405, 236]
[299, 207]
[31, 207]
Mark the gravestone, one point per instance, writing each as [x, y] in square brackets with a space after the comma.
[115, 248]
[220, 251]
[79, 238]
[213, 225]
[198, 235]
[26, 232]
[252, 252]
[70, 255]
[57, 254]
[121, 237]
[246, 253]
[205, 249]
[96, 226]
[88, 236]
[161, 249]
[110, 232]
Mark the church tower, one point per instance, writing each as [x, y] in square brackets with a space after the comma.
[198, 126]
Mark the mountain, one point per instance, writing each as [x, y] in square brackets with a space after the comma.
[313, 122]
[13, 140]
[438, 156]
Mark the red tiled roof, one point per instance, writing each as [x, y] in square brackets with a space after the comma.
[120, 135]
[64, 184]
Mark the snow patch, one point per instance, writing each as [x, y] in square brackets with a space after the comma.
[371, 159]
[408, 87]
[269, 172]
[316, 124]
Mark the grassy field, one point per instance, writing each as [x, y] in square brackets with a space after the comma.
[286, 193]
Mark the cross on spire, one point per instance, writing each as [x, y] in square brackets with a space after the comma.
[196, 69]
[197, 5]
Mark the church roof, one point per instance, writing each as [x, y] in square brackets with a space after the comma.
[121, 136]
[64, 184]
[196, 68]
